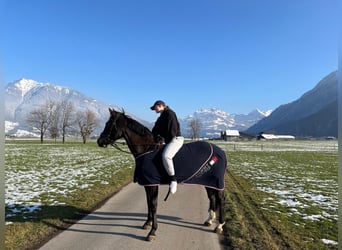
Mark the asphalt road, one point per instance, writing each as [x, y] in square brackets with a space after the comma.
[117, 224]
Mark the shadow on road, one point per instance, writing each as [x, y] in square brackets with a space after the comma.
[99, 222]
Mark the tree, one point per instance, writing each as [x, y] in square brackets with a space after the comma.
[195, 126]
[54, 132]
[66, 110]
[55, 121]
[86, 122]
[42, 117]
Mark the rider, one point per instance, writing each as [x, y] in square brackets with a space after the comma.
[167, 130]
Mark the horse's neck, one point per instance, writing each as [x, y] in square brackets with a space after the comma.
[138, 144]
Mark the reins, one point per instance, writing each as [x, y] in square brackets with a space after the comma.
[115, 145]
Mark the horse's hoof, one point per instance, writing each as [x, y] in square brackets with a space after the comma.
[207, 223]
[150, 237]
[146, 226]
[218, 230]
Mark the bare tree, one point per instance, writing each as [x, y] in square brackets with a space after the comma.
[86, 122]
[42, 117]
[66, 110]
[54, 131]
[55, 121]
[195, 126]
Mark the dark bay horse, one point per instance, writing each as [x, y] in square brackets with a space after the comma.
[140, 140]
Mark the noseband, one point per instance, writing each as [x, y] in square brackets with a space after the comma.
[107, 137]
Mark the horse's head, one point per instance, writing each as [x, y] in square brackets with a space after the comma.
[112, 131]
[139, 139]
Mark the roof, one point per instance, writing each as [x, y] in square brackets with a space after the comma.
[232, 132]
[272, 136]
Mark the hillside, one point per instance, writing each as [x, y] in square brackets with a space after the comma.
[24, 95]
[314, 114]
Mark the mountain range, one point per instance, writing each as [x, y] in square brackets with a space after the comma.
[213, 121]
[25, 95]
[314, 114]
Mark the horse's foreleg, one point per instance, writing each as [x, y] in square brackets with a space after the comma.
[152, 202]
[148, 222]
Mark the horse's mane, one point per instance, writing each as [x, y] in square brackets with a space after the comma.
[136, 126]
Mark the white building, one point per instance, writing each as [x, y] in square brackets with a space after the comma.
[275, 137]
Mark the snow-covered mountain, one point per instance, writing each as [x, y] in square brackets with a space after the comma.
[25, 95]
[213, 121]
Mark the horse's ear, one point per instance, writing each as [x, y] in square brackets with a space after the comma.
[111, 111]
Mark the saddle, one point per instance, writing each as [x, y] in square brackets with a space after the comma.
[198, 163]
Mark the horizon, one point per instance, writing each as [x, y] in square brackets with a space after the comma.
[233, 56]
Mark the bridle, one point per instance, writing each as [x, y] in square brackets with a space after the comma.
[109, 141]
[107, 138]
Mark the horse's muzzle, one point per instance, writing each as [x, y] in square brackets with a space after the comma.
[102, 142]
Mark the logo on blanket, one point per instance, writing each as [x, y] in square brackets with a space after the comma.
[207, 167]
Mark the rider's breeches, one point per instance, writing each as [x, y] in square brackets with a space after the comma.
[170, 151]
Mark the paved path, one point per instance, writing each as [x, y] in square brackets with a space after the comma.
[117, 224]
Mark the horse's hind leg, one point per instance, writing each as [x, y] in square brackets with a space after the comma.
[152, 201]
[220, 204]
[212, 206]
[216, 200]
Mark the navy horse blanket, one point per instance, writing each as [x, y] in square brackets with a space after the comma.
[199, 163]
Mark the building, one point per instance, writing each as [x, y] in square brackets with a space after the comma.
[230, 134]
[264, 136]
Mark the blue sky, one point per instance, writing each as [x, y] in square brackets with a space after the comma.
[233, 55]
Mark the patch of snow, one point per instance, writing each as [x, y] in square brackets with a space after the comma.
[43, 179]
[330, 242]
[25, 85]
[290, 202]
[10, 126]
[25, 133]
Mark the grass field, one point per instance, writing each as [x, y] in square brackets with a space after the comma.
[290, 187]
[49, 185]
[298, 202]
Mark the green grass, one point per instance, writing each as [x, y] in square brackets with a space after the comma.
[68, 181]
[279, 195]
[289, 193]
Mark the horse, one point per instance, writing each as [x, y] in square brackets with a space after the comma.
[140, 141]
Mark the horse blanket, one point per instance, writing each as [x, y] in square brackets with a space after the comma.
[200, 163]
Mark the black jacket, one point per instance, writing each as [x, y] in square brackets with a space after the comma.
[166, 126]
